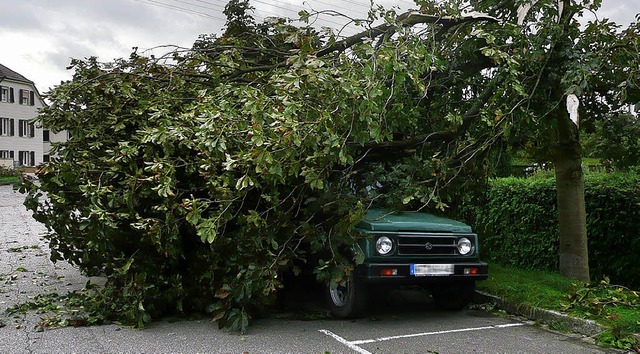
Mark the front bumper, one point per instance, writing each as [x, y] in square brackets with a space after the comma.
[373, 272]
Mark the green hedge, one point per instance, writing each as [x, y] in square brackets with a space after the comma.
[517, 222]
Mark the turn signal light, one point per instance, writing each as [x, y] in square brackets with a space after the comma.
[386, 272]
[468, 271]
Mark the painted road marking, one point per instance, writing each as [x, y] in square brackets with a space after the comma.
[350, 345]
[355, 345]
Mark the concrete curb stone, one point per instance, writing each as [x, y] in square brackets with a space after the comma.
[573, 324]
[578, 325]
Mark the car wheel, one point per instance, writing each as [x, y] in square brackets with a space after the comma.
[348, 300]
[453, 296]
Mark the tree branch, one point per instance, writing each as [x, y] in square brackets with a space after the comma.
[409, 19]
[442, 136]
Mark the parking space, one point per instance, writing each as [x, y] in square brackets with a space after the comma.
[456, 333]
[359, 345]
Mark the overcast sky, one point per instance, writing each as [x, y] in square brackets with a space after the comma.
[38, 38]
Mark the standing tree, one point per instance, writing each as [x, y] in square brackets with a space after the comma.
[193, 180]
[568, 70]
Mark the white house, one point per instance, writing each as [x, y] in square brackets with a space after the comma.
[22, 143]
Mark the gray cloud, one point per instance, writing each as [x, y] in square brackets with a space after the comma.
[113, 12]
[62, 54]
[18, 16]
[621, 12]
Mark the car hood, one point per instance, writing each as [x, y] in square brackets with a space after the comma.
[384, 220]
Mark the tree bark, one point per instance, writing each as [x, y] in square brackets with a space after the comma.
[572, 224]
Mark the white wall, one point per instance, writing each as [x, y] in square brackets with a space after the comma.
[55, 138]
[7, 163]
[16, 111]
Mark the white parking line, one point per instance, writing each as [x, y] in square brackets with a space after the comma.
[350, 345]
[355, 345]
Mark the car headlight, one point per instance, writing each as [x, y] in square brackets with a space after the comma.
[384, 245]
[464, 246]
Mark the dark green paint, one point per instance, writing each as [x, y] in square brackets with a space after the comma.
[383, 220]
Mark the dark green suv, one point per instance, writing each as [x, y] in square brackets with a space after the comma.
[411, 248]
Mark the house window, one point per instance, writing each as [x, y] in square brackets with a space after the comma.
[45, 158]
[6, 127]
[26, 129]
[24, 97]
[6, 154]
[6, 94]
[27, 97]
[27, 158]
[45, 135]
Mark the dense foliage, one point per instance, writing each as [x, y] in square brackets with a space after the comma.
[518, 226]
[193, 180]
[618, 141]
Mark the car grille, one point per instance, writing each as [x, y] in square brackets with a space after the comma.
[432, 245]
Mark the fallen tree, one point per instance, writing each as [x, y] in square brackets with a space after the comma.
[194, 179]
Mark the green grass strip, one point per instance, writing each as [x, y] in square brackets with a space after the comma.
[616, 308]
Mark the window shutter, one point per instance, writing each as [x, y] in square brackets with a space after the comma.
[12, 127]
[20, 97]
[11, 154]
[32, 98]
[32, 161]
[11, 99]
[20, 129]
[32, 130]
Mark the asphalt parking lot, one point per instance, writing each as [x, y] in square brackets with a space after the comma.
[404, 322]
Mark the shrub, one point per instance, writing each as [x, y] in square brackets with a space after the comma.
[518, 224]
[9, 172]
[613, 224]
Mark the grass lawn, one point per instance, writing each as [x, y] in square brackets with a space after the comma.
[617, 308]
[9, 179]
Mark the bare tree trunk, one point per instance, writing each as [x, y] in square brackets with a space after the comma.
[572, 216]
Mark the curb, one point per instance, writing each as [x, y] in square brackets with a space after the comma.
[578, 325]
[573, 324]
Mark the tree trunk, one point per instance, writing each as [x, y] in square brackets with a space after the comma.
[567, 158]
[572, 216]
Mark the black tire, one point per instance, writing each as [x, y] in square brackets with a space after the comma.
[347, 301]
[453, 297]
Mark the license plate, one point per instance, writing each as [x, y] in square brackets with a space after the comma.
[427, 270]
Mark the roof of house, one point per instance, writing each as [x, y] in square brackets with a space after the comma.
[6, 73]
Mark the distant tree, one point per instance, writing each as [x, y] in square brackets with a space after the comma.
[617, 141]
